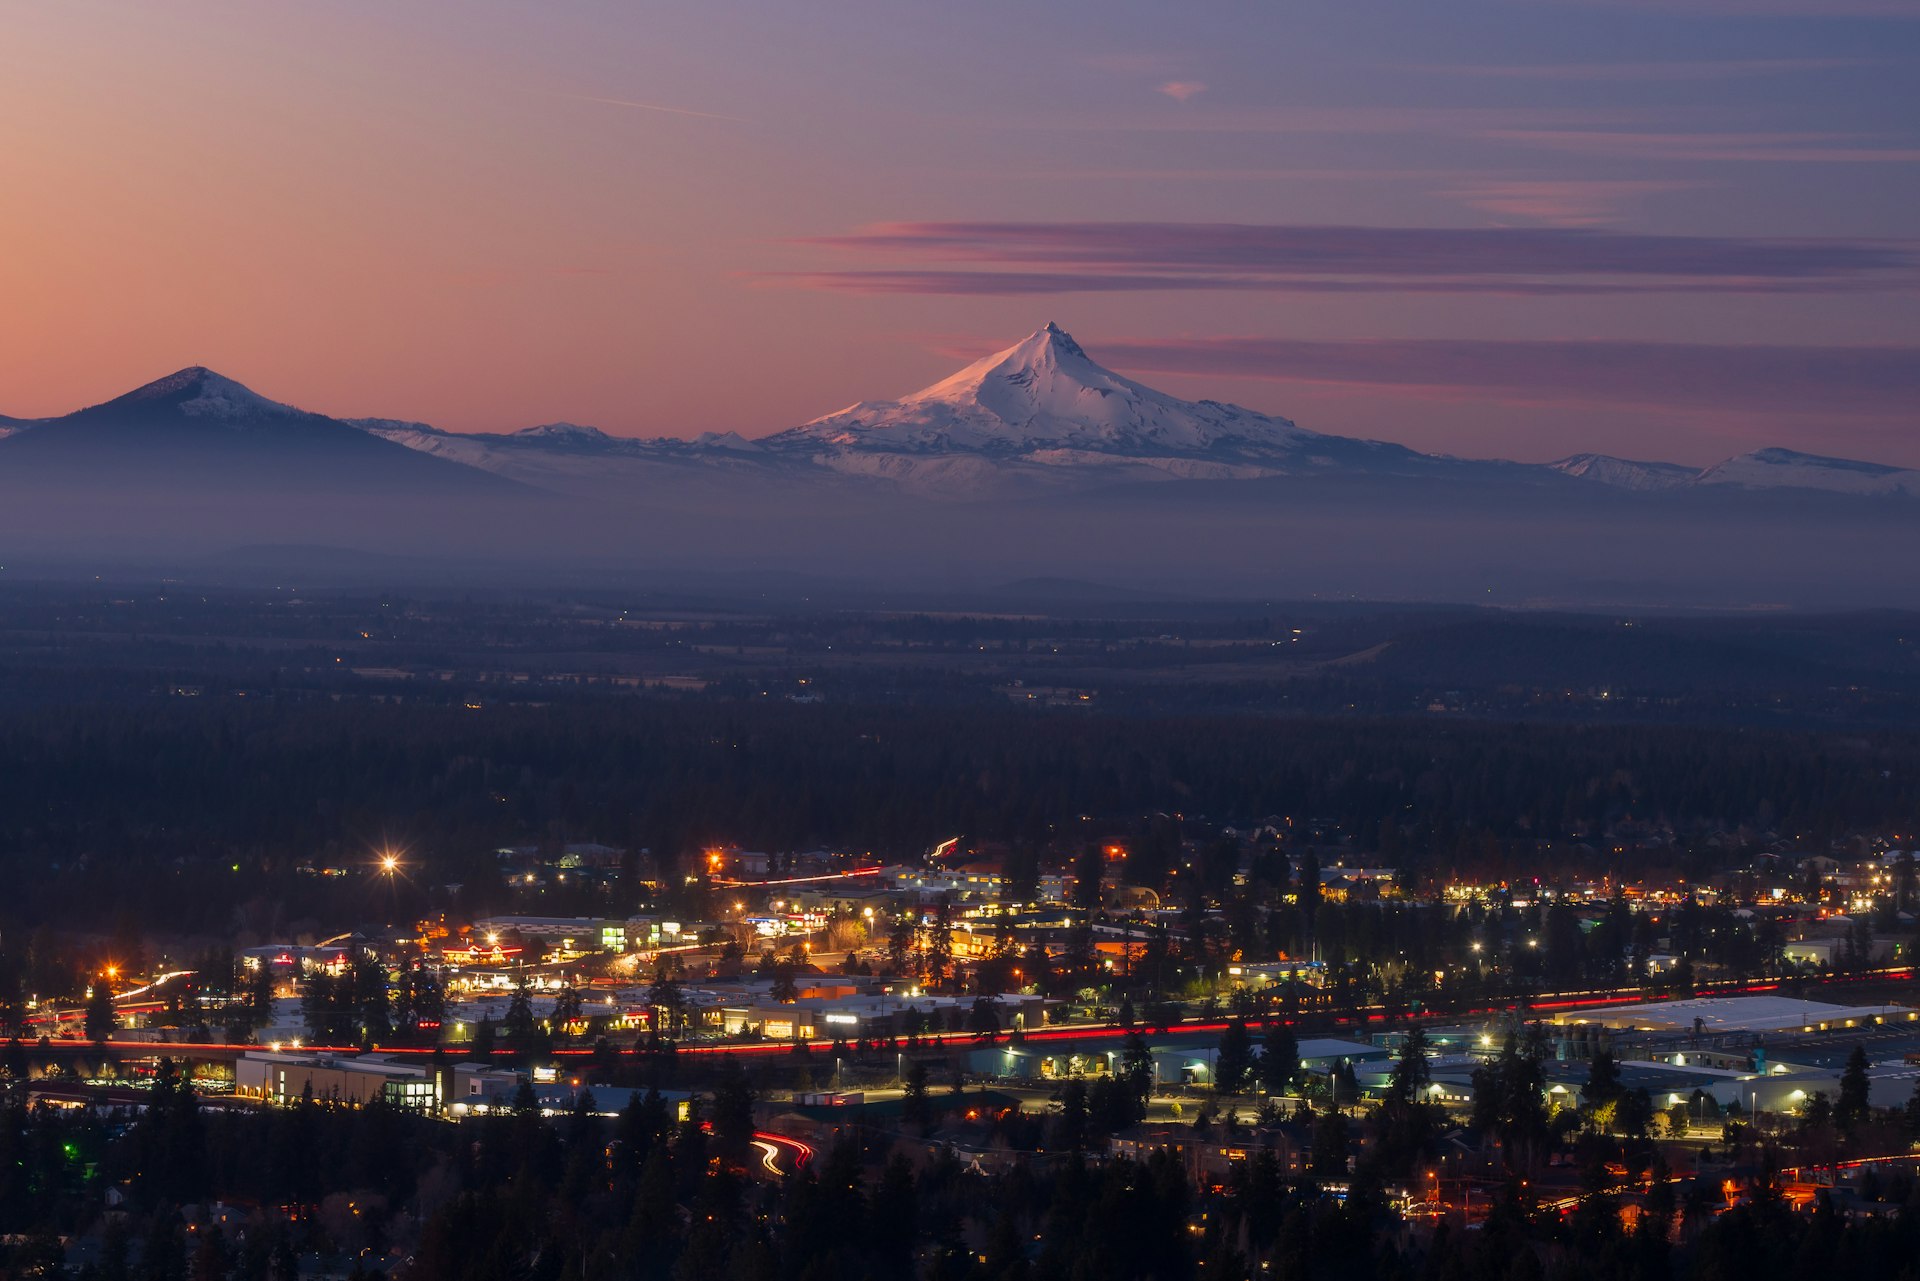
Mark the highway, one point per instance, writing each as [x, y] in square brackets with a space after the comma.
[1361, 1020]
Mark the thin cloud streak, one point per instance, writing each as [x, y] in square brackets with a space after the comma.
[1029, 257]
[1770, 148]
[1181, 90]
[1334, 121]
[1766, 8]
[1010, 284]
[1569, 202]
[1678, 71]
[655, 106]
[1853, 381]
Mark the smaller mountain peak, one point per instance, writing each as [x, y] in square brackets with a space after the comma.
[728, 440]
[200, 392]
[561, 431]
[178, 381]
[1776, 456]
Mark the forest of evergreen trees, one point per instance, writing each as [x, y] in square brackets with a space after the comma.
[180, 1192]
[194, 814]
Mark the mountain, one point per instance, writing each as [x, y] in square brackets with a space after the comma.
[1043, 417]
[1032, 465]
[196, 431]
[1790, 469]
[1763, 469]
[1045, 394]
[1626, 473]
[195, 464]
[565, 436]
[1044, 405]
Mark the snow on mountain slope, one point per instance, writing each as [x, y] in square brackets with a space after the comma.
[1625, 473]
[585, 462]
[1790, 469]
[1042, 416]
[1045, 393]
[473, 451]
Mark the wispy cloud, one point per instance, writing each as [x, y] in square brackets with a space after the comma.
[655, 106]
[1182, 90]
[1633, 132]
[1771, 148]
[1004, 284]
[1767, 8]
[1360, 121]
[1562, 202]
[1859, 381]
[1678, 70]
[1136, 62]
[1026, 257]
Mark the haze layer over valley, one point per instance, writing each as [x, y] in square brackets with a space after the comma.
[1032, 462]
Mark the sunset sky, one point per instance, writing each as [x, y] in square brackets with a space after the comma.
[1671, 228]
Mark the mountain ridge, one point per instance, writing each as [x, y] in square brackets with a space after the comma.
[1042, 414]
[1036, 417]
[1033, 465]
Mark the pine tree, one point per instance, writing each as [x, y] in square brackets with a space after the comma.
[940, 942]
[100, 1017]
[784, 989]
[1070, 1128]
[1603, 1079]
[733, 1109]
[1234, 1063]
[1853, 1107]
[915, 1109]
[568, 1006]
[518, 1023]
[1279, 1066]
[1136, 1068]
[259, 996]
[666, 1005]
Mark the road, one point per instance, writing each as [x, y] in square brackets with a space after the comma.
[1363, 1020]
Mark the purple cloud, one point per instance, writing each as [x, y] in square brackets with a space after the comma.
[1770, 8]
[1678, 70]
[1182, 90]
[1863, 381]
[1029, 257]
[1561, 202]
[1015, 284]
[1740, 148]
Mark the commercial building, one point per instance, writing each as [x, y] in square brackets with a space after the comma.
[415, 1085]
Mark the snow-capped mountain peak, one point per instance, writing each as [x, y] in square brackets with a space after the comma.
[1046, 393]
[1791, 469]
[1625, 473]
[1042, 416]
[1047, 370]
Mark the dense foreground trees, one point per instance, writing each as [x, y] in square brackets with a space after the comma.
[639, 1196]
